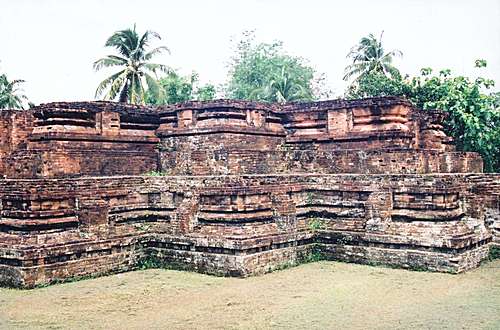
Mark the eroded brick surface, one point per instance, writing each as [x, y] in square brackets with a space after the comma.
[247, 188]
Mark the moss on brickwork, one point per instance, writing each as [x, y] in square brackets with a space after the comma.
[494, 252]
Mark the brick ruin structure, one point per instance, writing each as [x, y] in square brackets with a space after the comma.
[237, 188]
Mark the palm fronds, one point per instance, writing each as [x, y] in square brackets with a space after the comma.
[137, 74]
[11, 96]
[369, 56]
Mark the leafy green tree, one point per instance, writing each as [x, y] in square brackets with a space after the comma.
[175, 88]
[263, 72]
[137, 74]
[206, 92]
[376, 84]
[11, 96]
[283, 87]
[473, 114]
[369, 57]
[496, 99]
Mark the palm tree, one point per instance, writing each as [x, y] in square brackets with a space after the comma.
[136, 72]
[10, 97]
[368, 56]
[282, 88]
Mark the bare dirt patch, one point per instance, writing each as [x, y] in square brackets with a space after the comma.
[319, 295]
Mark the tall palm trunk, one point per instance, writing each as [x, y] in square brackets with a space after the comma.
[124, 93]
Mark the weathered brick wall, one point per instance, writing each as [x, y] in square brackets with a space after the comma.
[221, 160]
[87, 138]
[381, 135]
[385, 135]
[41, 163]
[241, 225]
[15, 128]
[484, 202]
[248, 187]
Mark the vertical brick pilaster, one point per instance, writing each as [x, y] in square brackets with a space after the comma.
[93, 216]
[284, 212]
[378, 210]
[186, 212]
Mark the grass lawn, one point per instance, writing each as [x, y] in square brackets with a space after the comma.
[322, 295]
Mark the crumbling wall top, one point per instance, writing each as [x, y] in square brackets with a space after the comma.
[129, 111]
[220, 103]
[46, 109]
[385, 101]
[287, 107]
[95, 106]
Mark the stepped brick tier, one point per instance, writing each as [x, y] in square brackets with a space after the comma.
[237, 188]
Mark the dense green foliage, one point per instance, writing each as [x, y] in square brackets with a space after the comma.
[175, 88]
[11, 96]
[283, 86]
[136, 73]
[263, 72]
[473, 113]
[206, 92]
[369, 57]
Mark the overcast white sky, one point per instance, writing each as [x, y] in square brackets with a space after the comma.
[52, 43]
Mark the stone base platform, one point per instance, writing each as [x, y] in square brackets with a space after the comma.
[243, 225]
[102, 258]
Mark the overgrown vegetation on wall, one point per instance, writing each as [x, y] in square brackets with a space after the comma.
[473, 114]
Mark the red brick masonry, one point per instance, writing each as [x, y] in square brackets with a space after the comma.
[237, 188]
